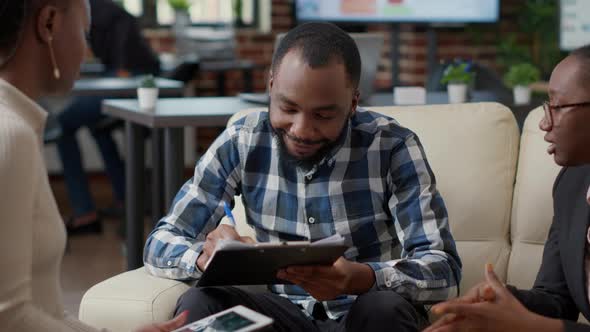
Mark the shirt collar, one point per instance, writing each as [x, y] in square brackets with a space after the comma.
[343, 141]
[23, 106]
[342, 145]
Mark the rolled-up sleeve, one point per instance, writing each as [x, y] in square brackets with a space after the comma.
[429, 268]
[172, 248]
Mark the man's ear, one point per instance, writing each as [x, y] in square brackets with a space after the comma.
[48, 23]
[270, 80]
[355, 101]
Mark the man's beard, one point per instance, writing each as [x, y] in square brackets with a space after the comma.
[305, 163]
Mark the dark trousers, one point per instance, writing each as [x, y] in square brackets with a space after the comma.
[86, 112]
[372, 311]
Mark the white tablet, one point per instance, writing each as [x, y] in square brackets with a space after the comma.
[235, 319]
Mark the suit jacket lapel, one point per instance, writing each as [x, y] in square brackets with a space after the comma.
[577, 237]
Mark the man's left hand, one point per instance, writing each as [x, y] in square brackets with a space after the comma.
[328, 282]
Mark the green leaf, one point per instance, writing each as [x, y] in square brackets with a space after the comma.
[148, 81]
[182, 5]
[522, 74]
[457, 73]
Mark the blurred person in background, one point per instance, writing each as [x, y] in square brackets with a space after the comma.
[115, 39]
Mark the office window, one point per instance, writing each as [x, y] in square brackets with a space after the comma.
[202, 12]
[134, 7]
[207, 12]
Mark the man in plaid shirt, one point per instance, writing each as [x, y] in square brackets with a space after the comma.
[313, 166]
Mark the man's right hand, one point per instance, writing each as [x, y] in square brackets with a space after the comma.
[222, 232]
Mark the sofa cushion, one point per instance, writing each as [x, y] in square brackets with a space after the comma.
[532, 210]
[473, 150]
[130, 300]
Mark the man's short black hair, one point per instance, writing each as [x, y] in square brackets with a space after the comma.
[319, 44]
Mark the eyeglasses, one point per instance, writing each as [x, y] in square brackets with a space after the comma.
[551, 110]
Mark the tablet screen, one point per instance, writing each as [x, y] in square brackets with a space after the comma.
[230, 321]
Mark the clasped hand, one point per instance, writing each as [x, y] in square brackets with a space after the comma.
[489, 306]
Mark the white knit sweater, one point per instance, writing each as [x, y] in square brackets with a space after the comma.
[32, 234]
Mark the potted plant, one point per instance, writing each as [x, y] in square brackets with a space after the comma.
[457, 77]
[181, 22]
[147, 92]
[237, 13]
[181, 16]
[519, 77]
[179, 5]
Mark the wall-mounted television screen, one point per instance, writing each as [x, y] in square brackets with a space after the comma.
[574, 24]
[416, 11]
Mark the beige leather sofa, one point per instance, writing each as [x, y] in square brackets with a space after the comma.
[496, 184]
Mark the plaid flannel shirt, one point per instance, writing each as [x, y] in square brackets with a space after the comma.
[374, 187]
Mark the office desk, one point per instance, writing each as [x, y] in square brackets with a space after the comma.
[440, 97]
[187, 67]
[92, 69]
[171, 115]
[221, 67]
[123, 87]
[108, 87]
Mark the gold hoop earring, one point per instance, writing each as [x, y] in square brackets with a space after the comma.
[56, 72]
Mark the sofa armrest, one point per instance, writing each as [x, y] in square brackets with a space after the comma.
[129, 300]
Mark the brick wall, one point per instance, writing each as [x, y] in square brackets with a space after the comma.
[477, 42]
[452, 43]
[455, 42]
[255, 46]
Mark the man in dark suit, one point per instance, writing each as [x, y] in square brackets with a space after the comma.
[560, 291]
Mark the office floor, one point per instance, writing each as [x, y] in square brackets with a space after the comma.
[89, 259]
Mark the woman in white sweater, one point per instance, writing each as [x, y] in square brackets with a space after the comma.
[42, 43]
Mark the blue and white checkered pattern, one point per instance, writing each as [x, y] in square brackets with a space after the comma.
[375, 188]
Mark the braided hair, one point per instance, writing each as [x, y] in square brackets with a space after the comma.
[14, 15]
[12, 21]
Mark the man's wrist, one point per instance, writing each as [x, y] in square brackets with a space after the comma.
[555, 325]
[199, 260]
[546, 324]
[363, 279]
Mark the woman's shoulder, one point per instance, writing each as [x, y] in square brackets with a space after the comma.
[15, 132]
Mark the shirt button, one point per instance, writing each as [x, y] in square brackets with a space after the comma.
[311, 220]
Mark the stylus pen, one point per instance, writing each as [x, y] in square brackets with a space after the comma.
[228, 213]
